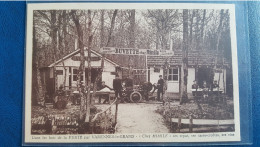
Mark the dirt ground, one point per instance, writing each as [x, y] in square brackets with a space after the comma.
[139, 118]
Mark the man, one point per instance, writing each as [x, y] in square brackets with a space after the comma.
[103, 85]
[160, 85]
[215, 84]
[194, 86]
[117, 86]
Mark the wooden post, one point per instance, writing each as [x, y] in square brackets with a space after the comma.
[171, 125]
[179, 125]
[190, 125]
[105, 129]
[116, 112]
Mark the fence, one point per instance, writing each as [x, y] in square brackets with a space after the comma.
[105, 121]
[55, 124]
[102, 122]
[191, 125]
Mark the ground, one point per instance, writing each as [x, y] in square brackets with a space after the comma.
[140, 118]
[144, 117]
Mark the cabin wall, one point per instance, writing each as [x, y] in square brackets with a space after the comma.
[191, 78]
[60, 77]
[107, 75]
[154, 76]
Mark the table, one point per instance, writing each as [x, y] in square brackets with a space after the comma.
[200, 91]
[99, 94]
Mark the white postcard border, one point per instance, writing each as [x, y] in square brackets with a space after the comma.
[138, 137]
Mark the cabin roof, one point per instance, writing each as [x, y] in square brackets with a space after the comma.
[77, 51]
[194, 58]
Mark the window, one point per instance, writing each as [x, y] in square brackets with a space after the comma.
[173, 74]
[75, 75]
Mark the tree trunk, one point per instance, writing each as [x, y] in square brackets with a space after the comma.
[197, 31]
[218, 35]
[132, 40]
[202, 27]
[184, 73]
[132, 29]
[54, 44]
[87, 119]
[102, 28]
[82, 64]
[191, 26]
[108, 44]
[111, 28]
[40, 99]
[65, 44]
[40, 93]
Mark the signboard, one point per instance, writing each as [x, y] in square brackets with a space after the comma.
[77, 58]
[132, 51]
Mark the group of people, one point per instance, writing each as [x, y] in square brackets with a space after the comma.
[205, 88]
[118, 86]
[205, 85]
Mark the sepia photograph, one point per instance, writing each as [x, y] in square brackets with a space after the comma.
[131, 69]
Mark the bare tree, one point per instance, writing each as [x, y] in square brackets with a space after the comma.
[99, 76]
[40, 93]
[83, 108]
[184, 67]
[87, 119]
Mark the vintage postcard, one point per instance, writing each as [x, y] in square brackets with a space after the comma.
[131, 72]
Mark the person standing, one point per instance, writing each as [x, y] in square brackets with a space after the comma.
[195, 86]
[160, 85]
[117, 86]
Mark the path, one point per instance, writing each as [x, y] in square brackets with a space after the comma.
[140, 118]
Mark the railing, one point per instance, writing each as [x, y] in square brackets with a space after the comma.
[191, 125]
[105, 121]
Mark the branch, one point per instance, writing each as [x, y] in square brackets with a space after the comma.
[44, 15]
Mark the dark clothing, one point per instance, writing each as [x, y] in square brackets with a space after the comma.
[215, 86]
[160, 84]
[118, 93]
[159, 92]
[195, 86]
[129, 82]
[117, 84]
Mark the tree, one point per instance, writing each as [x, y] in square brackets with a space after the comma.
[83, 107]
[40, 94]
[163, 22]
[87, 119]
[184, 67]
[101, 45]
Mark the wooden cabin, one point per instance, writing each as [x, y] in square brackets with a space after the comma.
[201, 67]
[67, 70]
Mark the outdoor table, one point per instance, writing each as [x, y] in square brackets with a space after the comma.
[99, 93]
[102, 93]
[199, 91]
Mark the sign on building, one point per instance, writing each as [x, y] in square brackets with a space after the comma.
[132, 51]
